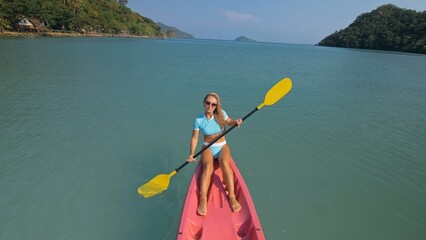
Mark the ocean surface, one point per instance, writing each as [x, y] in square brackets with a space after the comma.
[85, 121]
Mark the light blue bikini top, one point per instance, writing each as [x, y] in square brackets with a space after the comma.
[208, 126]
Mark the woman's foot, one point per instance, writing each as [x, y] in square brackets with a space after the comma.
[235, 205]
[202, 207]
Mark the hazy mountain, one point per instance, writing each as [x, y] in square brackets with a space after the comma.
[172, 32]
[244, 39]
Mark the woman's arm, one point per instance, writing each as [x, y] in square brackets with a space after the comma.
[232, 122]
[193, 145]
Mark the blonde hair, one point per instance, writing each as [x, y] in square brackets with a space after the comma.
[218, 114]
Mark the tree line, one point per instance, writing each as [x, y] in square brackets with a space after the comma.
[386, 28]
[98, 16]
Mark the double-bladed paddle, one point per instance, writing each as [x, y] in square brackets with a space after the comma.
[160, 183]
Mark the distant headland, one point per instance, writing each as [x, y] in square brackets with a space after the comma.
[386, 28]
[172, 32]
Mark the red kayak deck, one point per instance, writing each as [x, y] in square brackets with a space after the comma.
[220, 222]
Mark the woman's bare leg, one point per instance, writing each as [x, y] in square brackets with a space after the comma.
[228, 177]
[206, 174]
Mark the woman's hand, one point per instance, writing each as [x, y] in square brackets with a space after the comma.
[191, 158]
[239, 122]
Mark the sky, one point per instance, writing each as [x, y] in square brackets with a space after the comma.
[280, 21]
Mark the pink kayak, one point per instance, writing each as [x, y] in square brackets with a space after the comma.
[220, 222]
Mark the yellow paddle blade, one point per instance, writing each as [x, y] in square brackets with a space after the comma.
[277, 92]
[156, 186]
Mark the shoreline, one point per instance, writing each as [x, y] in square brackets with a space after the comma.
[69, 34]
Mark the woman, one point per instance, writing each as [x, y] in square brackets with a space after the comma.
[212, 123]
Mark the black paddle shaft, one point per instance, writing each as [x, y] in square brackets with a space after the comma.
[215, 140]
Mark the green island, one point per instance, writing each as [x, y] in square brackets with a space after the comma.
[74, 18]
[386, 28]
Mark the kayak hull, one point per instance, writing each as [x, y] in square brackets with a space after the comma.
[220, 222]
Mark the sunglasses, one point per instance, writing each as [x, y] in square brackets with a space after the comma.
[208, 103]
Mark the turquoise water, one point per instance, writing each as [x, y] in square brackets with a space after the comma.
[85, 121]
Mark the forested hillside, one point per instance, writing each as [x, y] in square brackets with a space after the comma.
[84, 16]
[386, 28]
